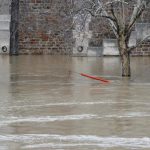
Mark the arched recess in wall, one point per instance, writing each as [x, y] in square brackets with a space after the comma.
[14, 24]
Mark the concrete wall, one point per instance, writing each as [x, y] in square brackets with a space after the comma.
[4, 7]
[142, 30]
[110, 47]
[102, 34]
[4, 26]
[42, 24]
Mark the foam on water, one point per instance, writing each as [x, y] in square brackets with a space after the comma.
[42, 119]
[106, 102]
[9, 120]
[63, 104]
[75, 141]
[129, 115]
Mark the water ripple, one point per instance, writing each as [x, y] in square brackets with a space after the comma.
[106, 102]
[42, 119]
[75, 141]
[9, 120]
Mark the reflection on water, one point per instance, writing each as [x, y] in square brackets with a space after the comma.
[46, 105]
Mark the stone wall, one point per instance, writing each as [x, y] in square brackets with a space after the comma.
[101, 30]
[4, 7]
[41, 27]
[4, 26]
[42, 24]
[142, 50]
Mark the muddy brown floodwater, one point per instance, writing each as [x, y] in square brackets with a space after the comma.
[46, 105]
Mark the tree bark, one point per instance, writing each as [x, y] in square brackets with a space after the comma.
[125, 56]
[125, 60]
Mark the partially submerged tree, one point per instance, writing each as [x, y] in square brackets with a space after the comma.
[122, 18]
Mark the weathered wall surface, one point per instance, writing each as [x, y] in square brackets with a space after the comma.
[101, 30]
[4, 7]
[4, 26]
[41, 26]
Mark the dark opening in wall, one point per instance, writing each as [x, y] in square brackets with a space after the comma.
[14, 27]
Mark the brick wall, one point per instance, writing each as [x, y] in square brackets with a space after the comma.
[142, 50]
[101, 30]
[41, 26]
[43, 22]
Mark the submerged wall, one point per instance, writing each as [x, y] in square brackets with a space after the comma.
[42, 24]
[4, 26]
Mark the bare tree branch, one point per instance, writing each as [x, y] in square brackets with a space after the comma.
[139, 43]
[140, 7]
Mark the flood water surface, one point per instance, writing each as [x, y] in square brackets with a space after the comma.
[46, 105]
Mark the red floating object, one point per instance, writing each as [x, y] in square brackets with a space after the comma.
[95, 78]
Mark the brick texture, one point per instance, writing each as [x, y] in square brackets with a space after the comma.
[42, 24]
[40, 27]
[101, 30]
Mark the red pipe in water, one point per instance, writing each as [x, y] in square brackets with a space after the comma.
[95, 78]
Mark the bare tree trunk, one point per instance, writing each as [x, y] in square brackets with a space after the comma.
[125, 57]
